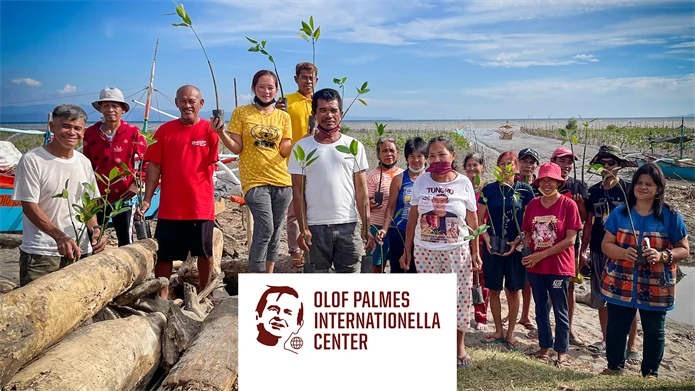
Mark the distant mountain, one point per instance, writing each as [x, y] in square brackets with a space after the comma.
[358, 118]
[690, 116]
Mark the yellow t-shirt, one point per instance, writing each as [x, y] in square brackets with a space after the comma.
[260, 162]
[299, 109]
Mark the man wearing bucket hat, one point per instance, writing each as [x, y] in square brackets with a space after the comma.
[603, 198]
[576, 190]
[551, 224]
[108, 144]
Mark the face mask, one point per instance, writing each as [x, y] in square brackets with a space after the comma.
[387, 166]
[421, 169]
[548, 195]
[328, 132]
[440, 168]
[261, 103]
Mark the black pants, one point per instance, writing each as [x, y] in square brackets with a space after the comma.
[396, 250]
[122, 223]
[619, 322]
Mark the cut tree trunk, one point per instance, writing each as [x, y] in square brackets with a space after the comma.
[210, 363]
[114, 355]
[36, 316]
[188, 272]
[143, 290]
[180, 332]
[10, 240]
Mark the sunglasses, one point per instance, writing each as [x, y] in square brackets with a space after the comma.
[608, 162]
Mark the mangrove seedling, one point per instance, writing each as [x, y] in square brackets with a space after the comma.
[613, 179]
[585, 124]
[341, 84]
[142, 229]
[186, 22]
[311, 35]
[501, 176]
[259, 47]
[360, 91]
[352, 151]
[304, 161]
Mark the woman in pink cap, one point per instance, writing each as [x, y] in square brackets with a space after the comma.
[551, 223]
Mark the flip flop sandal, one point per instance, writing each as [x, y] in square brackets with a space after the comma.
[544, 358]
[490, 339]
[633, 358]
[461, 361]
[298, 259]
[512, 346]
[563, 363]
[533, 334]
[529, 325]
[577, 342]
[597, 348]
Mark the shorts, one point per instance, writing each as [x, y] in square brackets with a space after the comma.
[507, 270]
[597, 263]
[179, 237]
[336, 245]
[33, 266]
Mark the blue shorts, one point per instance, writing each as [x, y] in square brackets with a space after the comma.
[508, 270]
[381, 252]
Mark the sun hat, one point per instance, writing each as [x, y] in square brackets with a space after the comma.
[549, 170]
[608, 151]
[563, 151]
[529, 152]
[110, 94]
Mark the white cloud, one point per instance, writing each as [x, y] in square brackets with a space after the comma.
[68, 89]
[245, 99]
[28, 81]
[586, 57]
[683, 45]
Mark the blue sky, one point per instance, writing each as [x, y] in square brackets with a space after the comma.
[423, 59]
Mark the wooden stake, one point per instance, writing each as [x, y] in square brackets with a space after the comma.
[236, 97]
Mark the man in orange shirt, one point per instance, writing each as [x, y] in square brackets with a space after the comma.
[299, 109]
[184, 156]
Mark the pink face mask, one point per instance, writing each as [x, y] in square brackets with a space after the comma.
[328, 132]
[440, 168]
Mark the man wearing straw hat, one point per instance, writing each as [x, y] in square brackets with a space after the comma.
[108, 144]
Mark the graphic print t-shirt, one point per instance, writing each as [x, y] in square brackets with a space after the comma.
[547, 227]
[442, 207]
[601, 203]
[260, 162]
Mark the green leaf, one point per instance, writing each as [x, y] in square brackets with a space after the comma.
[311, 161]
[179, 10]
[362, 101]
[354, 147]
[482, 229]
[563, 132]
[336, 80]
[77, 208]
[253, 41]
[343, 148]
[498, 177]
[311, 21]
[304, 37]
[311, 154]
[477, 179]
[179, 24]
[65, 194]
[469, 237]
[498, 169]
[113, 173]
[67, 181]
[263, 51]
[344, 80]
[119, 211]
[271, 59]
[254, 49]
[563, 142]
[85, 199]
[308, 32]
[305, 26]
[296, 155]
[575, 141]
[59, 195]
[89, 186]
[263, 43]
[364, 86]
[317, 34]
[300, 153]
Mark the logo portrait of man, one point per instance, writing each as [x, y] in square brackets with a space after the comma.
[279, 316]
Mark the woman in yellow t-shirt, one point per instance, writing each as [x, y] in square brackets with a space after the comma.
[262, 137]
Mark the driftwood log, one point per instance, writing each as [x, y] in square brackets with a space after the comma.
[115, 355]
[143, 290]
[188, 272]
[180, 331]
[210, 363]
[10, 240]
[36, 316]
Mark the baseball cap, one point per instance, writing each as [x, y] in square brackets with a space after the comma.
[529, 152]
[563, 151]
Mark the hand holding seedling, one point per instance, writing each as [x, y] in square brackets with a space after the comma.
[651, 255]
[217, 125]
[531, 260]
[98, 241]
[304, 241]
[142, 209]
[630, 254]
[68, 248]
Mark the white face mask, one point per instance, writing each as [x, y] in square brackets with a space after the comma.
[424, 166]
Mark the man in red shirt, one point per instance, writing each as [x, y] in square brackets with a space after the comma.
[184, 156]
[108, 144]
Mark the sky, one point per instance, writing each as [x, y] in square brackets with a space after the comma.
[447, 59]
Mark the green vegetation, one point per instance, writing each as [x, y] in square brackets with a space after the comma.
[495, 370]
[369, 138]
[23, 143]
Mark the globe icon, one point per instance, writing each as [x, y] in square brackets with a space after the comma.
[296, 343]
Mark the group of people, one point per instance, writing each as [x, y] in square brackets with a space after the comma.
[294, 164]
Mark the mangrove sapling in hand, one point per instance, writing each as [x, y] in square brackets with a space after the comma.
[585, 124]
[341, 84]
[311, 35]
[304, 161]
[611, 180]
[360, 91]
[186, 22]
[142, 229]
[259, 47]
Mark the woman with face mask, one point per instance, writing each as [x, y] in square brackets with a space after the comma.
[441, 219]
[415, 152]
[551, 223]
[379, 180]
[262, 137]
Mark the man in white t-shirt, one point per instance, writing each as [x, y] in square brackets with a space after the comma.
[335, 192]
[49, 236]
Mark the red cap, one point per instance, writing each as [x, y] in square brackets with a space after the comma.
[549, 170]
[563, 151]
